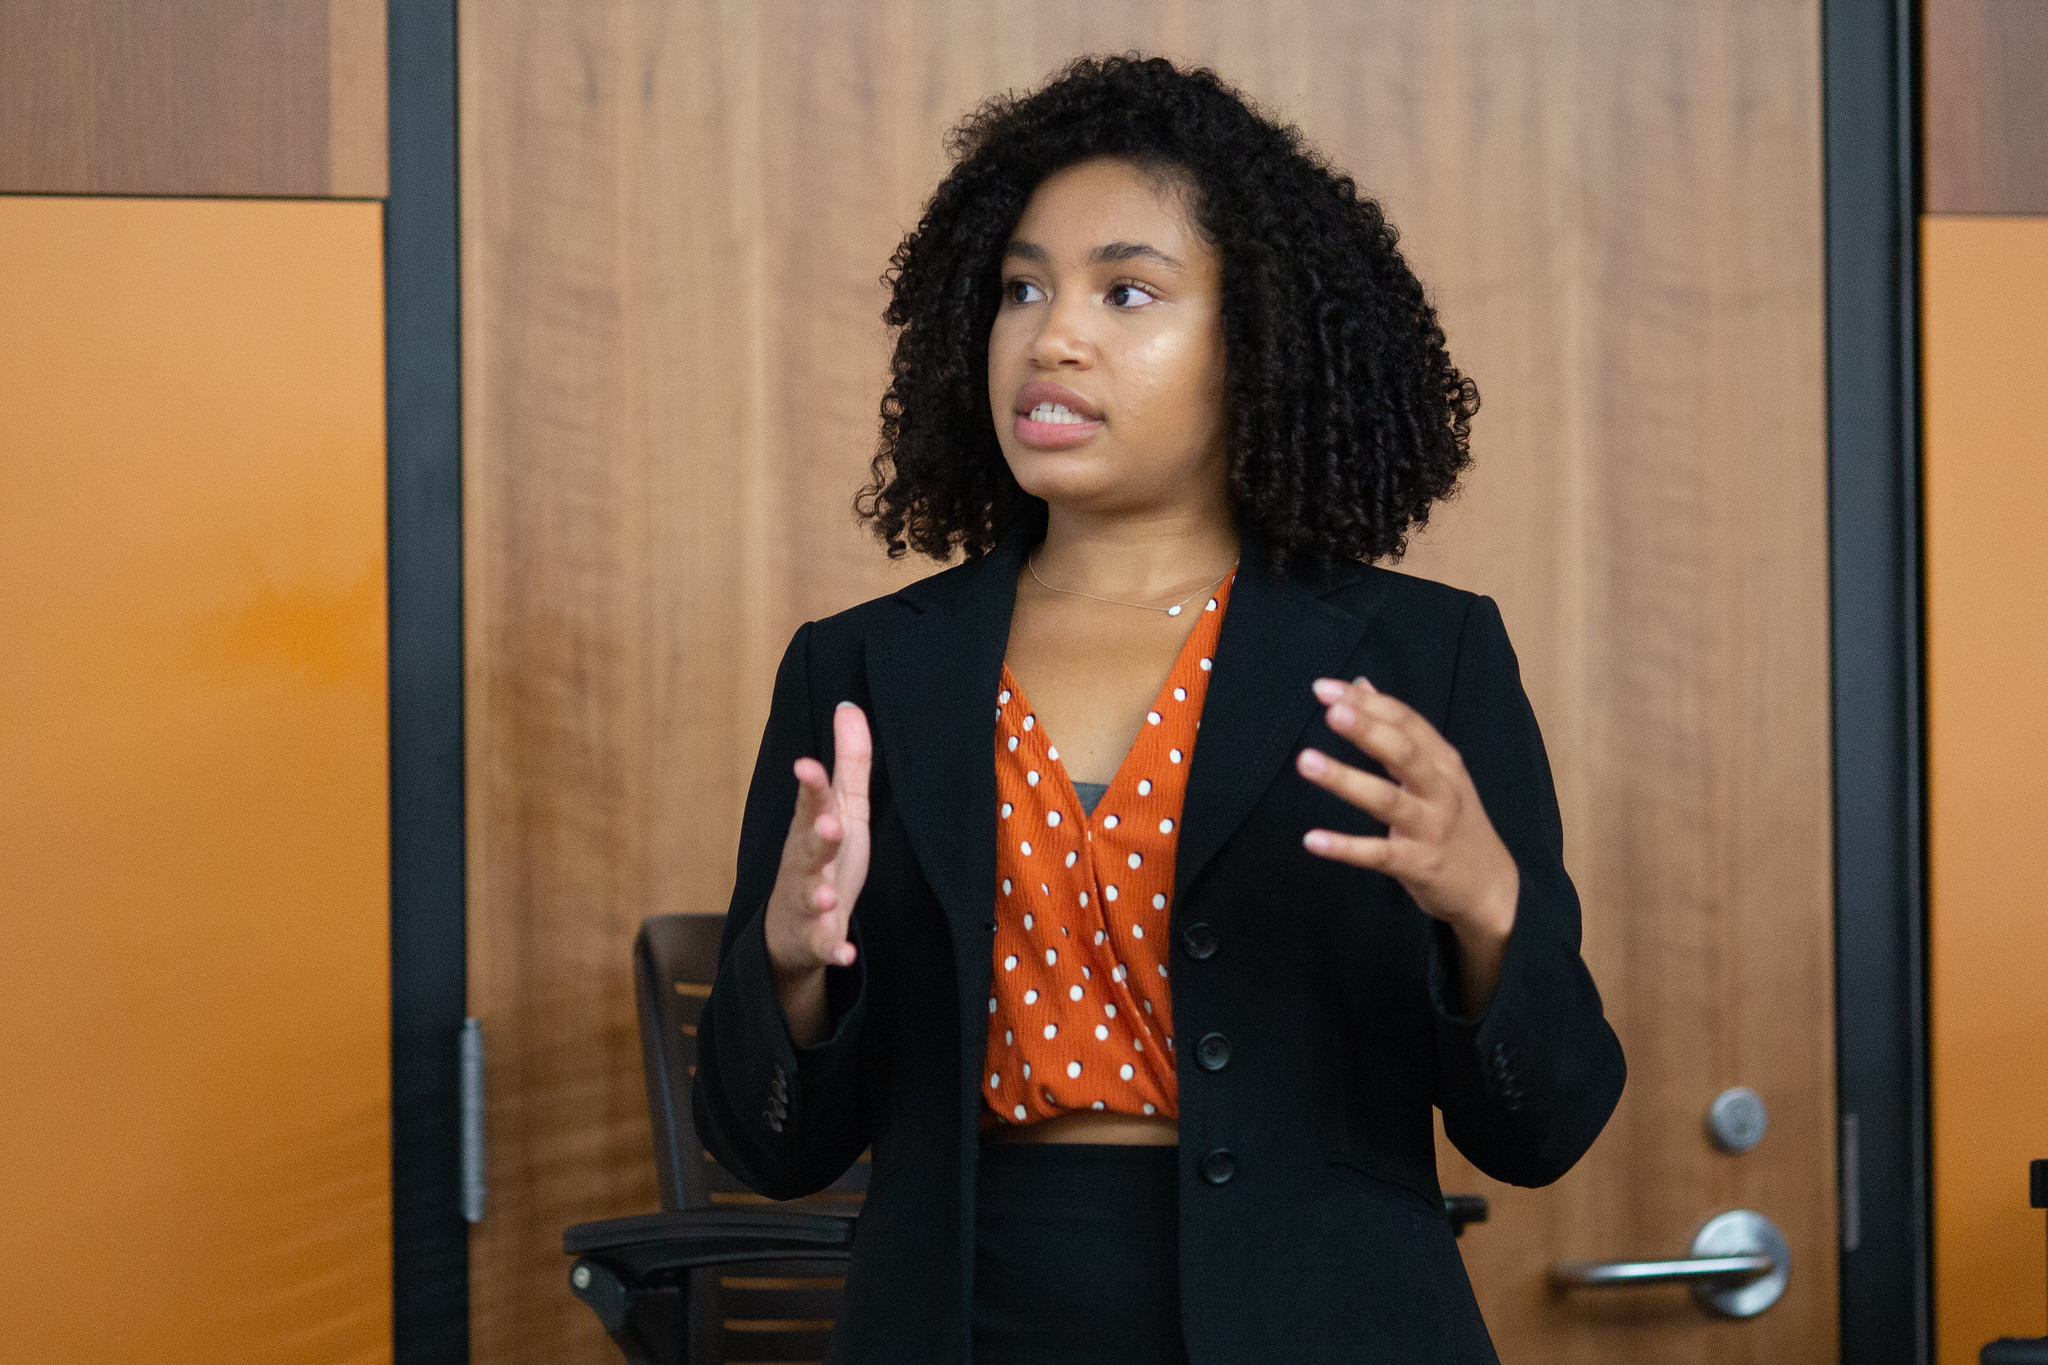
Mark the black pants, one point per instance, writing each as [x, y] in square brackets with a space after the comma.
[1076, 1255]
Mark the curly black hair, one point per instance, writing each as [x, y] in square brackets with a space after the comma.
[1346, 419]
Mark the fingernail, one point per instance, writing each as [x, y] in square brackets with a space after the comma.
[1313, 762]
[842, 704]
[1327, 689]
[1316, 840]
[1361, 682]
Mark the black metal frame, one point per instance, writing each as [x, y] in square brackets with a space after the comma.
[423, 395]
[1872, 156]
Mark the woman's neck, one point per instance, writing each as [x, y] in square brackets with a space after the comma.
[1135, 558]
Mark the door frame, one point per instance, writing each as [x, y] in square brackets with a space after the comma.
[423, 412]
[1876, 655]
[1872, 155]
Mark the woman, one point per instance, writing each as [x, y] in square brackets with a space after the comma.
[1145, 1033]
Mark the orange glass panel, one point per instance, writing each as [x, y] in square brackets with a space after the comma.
[1984, 303]
[194, 829]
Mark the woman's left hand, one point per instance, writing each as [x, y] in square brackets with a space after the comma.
[1439, 843]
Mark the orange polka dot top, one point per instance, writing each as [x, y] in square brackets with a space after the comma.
[1080, 1015]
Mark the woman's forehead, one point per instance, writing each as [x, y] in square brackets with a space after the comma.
[1105, 208]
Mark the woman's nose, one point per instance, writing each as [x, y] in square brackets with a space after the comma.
[1063, 336]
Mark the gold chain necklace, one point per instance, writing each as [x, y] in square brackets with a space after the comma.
[1173, 610]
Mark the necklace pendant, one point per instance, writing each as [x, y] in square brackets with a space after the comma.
[1173, 611]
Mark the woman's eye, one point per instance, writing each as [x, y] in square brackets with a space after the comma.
[1019, 291]
[1129, 295]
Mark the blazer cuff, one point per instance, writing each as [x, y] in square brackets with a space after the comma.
[1483, 1050]
[780, 1084]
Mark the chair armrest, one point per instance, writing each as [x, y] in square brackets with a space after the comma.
[1463, 1209]
[673, 1242]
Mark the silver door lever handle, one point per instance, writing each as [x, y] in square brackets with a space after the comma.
[1738, 1266]
[1593, 1274]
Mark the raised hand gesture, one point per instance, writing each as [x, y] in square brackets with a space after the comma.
[824, 866]
[1439, 843]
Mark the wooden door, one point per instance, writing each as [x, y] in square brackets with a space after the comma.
[674, 219]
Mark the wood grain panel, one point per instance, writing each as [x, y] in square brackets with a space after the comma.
[1984, 106]
[193, 97]
[674, 216]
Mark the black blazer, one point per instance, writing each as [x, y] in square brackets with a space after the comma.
[1312, 1227]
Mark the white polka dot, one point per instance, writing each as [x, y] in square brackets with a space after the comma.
[1031, 778]
[1109, 892]
[1211, 606]
[1072, 857]
[1102, 1033]
[1027, 1071]
[1205, 665]
[1019, 1112]
[1052, 955]
[1126, 1071]
[1148, 1007]
[1044, 890]
[1098, 936]
[1030, 721]
[1166, 826]
[1006, 886]
[1052, 751]
[1173, 754]
[1109, 1010]
[1007, 808]
[1051, 1032]
[1159, 900]
[1169, 1041]
[1137, 931]
[1136, 1043]
[1027, 921]
[1086, 975]
[1073, 1070]
[1096, 1105]
[1031, 997]
[1049, 1097]
[1009, 1038]
[1162, 969]
[1073, 993]
[1152, 717]
[1084, 898]
[1136, 859]
[991, 1004]
[1144, 786]
[1109, 822]
[1013, 744]
[1026, 846]
[1150, 1109]
[1052, 817]
[1119, 973]
[1003, 696]
[1010, 963]
[1180, 694]
[995, 1080]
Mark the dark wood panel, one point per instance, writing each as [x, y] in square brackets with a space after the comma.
[193, 97]
[1984, 106]
[672, 375]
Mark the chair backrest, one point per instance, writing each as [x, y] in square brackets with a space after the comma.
[765, 1311]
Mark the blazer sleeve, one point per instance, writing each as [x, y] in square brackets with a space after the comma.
[1526, 1085]
[787, 1120]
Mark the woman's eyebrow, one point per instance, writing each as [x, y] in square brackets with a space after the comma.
[1110, 251]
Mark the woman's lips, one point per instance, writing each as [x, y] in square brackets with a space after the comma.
[1055, 435]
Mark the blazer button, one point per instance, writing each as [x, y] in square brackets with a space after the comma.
[774, 1123]
[1213, 1052]
[1219, 1166]
[1200, 941]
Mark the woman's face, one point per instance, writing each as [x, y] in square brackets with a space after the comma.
[1106, 360]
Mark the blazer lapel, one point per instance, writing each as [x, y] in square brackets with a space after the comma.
[1278, 636]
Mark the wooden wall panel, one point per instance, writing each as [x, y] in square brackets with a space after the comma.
[193, 97]
[195, 1081]
[674, 216]
[1984, 106]
[1984, 337]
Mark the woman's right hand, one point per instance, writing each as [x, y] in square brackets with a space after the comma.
[824, 865]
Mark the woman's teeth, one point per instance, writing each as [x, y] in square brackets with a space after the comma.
[1056, 412]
